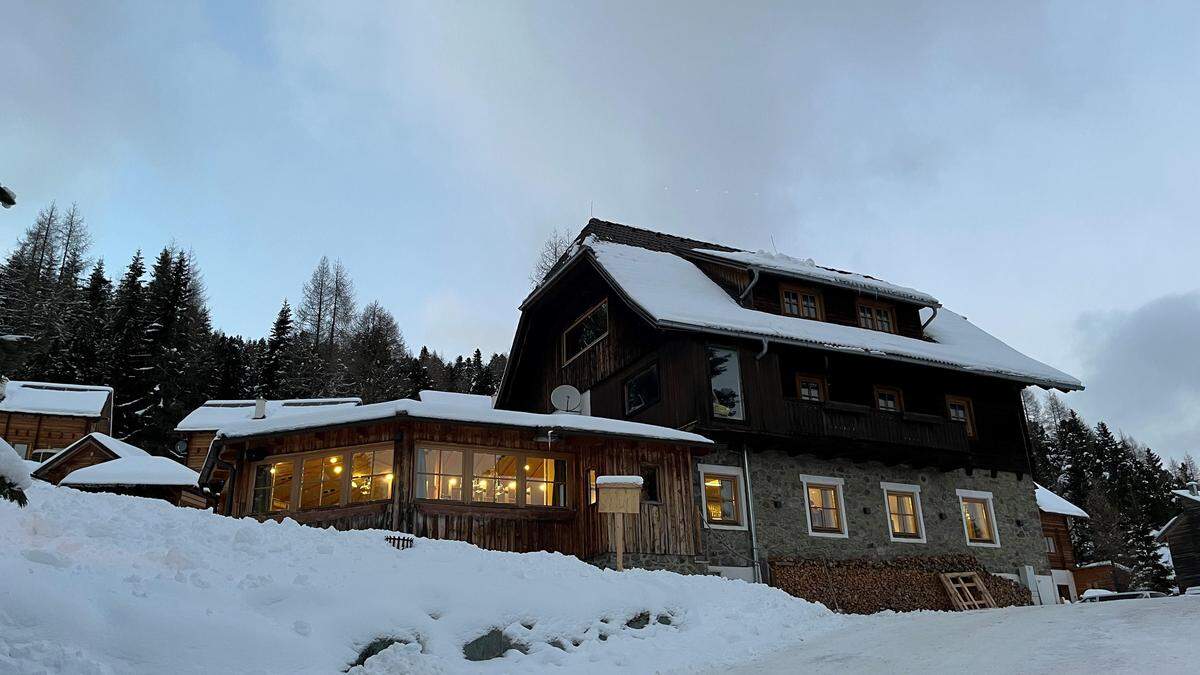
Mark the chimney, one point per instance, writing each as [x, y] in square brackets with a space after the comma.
[1192, 488]
[260, 408]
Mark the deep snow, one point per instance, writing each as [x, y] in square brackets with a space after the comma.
[99, 583]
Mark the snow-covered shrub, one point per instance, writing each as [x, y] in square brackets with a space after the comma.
[14, 475]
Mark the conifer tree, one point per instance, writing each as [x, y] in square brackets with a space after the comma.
[376, 356]
[276, 360]
[127, 331]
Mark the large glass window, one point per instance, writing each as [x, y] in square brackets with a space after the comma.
[272, 487]
[585, 332]
[642, 390]
[545, 481]
[439, 474]
[726, 383]
[321, 481]
[720, 499]
[977, 519]
[824, 508]
[494, 478]
[371, 475]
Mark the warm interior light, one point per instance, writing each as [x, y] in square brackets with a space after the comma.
[272, 469]
[526, 467]
[542, 487]
[337, 469]
[388, 477]
[453, 482]
[512, 485]
[483, 485]
[712, 482]
[333, 460]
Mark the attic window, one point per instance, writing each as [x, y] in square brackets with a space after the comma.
[801, 302]
[889, 399]
[876, 316]
[959, 409]
[810, 388]
[587, 330]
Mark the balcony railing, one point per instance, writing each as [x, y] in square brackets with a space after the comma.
[844, 420]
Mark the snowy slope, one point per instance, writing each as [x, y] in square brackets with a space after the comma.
[99, 583]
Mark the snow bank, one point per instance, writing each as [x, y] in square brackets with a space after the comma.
[13, 466]
[100, 583]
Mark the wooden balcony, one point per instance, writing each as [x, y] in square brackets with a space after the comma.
[861, 423]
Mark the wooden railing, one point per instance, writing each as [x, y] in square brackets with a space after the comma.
[844, 420]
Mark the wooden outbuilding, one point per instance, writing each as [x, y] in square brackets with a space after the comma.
[41, 418]
[1182, 536]
[449, 466]
[1058, 515]
[100, 463]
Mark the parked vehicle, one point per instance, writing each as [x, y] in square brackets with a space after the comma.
[1127, 595]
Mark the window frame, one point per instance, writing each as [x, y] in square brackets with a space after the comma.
[1051, 544]
[737, 359]
[650, 367]
[890, 389]
[839, 485]
[297, 459]
[890, 488]
[819, 380]
[989, 502]
[800, 292]
[965, 401]
[468, 464]
[875, 308]
[657, 483]
[739, 495]
[586, 348]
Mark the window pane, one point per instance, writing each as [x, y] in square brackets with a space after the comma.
[545, 481]
[321, 482]
[866, 318]
[726, 382]
[649, 483]
[809, 310]
[494, 478]
[810, 390]
[593, 497]
[791, 303]
[979, 525]
[371, 475]
[589, 329]
[439, 473]
[720, 501]
[642, 390]
[887, 401]
[281, 491]
[823, 508]
[902, 506]
[883, 319]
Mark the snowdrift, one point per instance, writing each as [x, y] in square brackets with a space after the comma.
[98, 583]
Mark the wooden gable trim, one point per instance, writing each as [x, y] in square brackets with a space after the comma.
[70, 451]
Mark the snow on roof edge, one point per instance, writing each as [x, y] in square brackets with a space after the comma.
[1052, 503]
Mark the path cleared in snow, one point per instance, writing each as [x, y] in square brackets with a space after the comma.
[1131, 636]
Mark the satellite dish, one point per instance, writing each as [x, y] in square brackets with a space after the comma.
[181, 447]
[566, 398]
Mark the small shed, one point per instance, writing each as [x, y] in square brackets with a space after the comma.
[1182, 537]
[100, 463]
[1057, 515]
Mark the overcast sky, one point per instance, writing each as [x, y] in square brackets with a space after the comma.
[1036, 169]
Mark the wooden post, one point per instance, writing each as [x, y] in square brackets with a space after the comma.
[619, 495]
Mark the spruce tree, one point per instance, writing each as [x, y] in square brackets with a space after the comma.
[127, 332]
[276, 370]
[376, 356]
[1142, 555]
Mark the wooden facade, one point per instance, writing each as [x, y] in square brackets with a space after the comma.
[197, 447]
[1055, 527]
[34, 432]
[1182, 536]
[669, 526]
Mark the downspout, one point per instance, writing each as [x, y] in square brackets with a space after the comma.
[929, 320]
[750, 516]
[750, 286]
[758, 356]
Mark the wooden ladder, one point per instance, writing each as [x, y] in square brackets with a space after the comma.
[967, 591]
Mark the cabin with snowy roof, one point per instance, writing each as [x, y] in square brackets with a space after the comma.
[855, 418]
[450, 466]
[1182, 536]
[41, 418]
[100, 463]
[1058, 516]
[200, 426]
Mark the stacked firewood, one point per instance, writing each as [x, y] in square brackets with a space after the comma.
[903, 584]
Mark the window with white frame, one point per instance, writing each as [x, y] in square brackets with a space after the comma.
[979, 518]
[902, 504]
[826, 506]
[724, 491]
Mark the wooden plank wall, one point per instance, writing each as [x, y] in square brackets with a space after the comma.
[87, 454]
[41, 432]
[840, 305]
[1054, 525]
[1185, 546]
[197, 448]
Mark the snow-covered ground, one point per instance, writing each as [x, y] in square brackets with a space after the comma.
[95, 583]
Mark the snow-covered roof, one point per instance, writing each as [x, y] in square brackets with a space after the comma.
[454, 398]
[213, 415]
[808, 270]
[1186, 495]
[620, 480]
[49, 398]
[117, 447]
[674, 293]
[144, 470]
[458, 408]
[1051, 503]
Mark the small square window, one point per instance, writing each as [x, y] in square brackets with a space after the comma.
[959, 409]
[876, 316]
[721, 500]
[810, 388]
[800, 302]
[889, 399]
[649, 483]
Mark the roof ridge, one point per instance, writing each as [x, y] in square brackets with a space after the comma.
[641, 237]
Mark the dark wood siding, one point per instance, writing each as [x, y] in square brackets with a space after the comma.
[1184, 542]
[840, 304]
[85, 454]
[1054, 525]
[45, 432]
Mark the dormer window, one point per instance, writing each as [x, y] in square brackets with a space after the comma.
[587, 330]
[876, 316]
[801, 302]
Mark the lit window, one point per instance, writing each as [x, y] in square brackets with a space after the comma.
[903, 503]
[593, 494]
[876, 317]
[642, 390]
[272, 487]
[720, 499]
[978, 518]
[726, 383]
[494, 478]
[825, 508]
[585, 332]
[888, 399]
[810, 388]
[959, 409]
[439, 474]
[649, 483]
[545, 481]
[800, 302]
[321, 481]
[371, 475]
